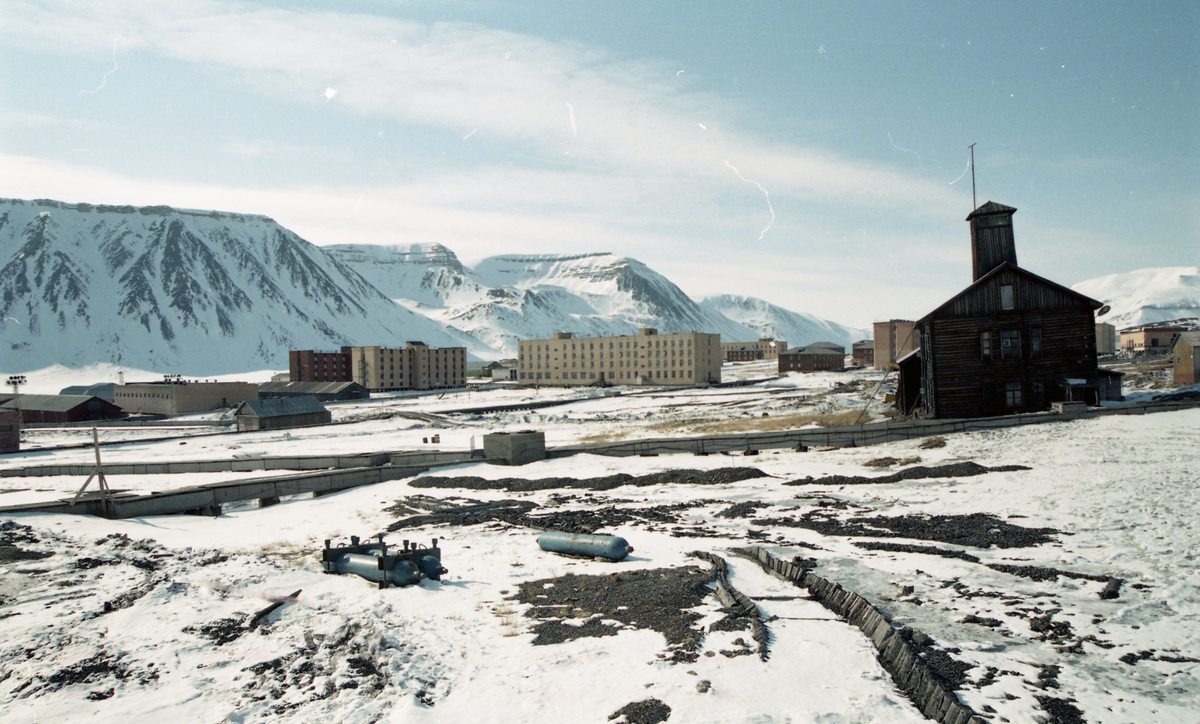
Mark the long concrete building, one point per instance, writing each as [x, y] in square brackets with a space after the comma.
[415, 366]
[177, 396]
[647, 358]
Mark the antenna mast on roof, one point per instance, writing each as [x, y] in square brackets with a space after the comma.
[974, 204]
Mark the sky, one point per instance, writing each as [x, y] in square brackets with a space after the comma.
[815, 155]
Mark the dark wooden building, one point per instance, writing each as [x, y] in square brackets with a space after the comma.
[743, 353]
[1010, 342]
[61, 408]
[10, 431]
[815, 357]
[280, 413]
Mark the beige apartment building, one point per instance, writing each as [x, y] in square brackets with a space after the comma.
[177, 396]
[894, 339]
[647, 358]
[767, 347]
[414, 366]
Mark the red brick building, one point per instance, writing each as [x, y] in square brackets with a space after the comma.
[306, 365]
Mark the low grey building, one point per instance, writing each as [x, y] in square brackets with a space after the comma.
[281, 413]
[323, 391]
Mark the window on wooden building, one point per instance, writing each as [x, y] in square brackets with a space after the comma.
[985, 345]
[1012, 394]
[1010, 343]
[1007, 299]
[1035, 340]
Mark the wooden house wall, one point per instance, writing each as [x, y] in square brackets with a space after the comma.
[959, 382]
[1029, 295]
[993, 243]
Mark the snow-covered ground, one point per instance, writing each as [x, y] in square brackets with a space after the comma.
[111, 620]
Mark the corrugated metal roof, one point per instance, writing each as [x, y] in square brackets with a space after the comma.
[1193, 338]
[307, 388]
[49, 403]
[281, 407]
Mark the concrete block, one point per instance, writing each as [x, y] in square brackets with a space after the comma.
[516, 448]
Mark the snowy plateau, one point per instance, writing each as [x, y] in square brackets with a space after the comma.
[993, 566]
[209, 293]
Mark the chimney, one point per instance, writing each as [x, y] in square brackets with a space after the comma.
[991, 238]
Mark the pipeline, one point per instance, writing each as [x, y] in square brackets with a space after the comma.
[374, 562]
[581, 544]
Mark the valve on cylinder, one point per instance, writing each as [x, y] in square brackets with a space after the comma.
[374, 562]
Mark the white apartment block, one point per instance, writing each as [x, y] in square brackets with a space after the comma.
[647, 358]
[414, 366]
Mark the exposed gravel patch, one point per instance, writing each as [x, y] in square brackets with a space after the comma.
[918, 472]
[978, 530]
[657, 599]
[530, 515]
[14, 538]
[1039, 573]
[873, 545]
[648, 711]
[721, 476]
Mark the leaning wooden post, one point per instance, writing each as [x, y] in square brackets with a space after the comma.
[98, 474]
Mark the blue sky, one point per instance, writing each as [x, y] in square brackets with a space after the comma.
[811, 154]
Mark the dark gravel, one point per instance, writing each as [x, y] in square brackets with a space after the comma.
[648, 711]
[917, 472]
[221, 631]
[656, 599]
[720, 476]
[530, 515]
[1061, 711]
[978, 530]
[873, 545]
[14, 539]
[1039, 573]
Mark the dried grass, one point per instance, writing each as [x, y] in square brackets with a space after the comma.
[760, 424]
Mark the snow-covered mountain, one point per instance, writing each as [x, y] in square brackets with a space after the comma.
[795, 328]
[194, 292]
[506, 298]
[1145, 296]
[209, 293]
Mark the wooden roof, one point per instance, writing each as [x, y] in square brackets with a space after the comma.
[1007, 267]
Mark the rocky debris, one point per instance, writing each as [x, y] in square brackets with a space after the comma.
[1149, 655]
[657, 599]
[1039, 573]
[647, 711]
[14, 538]
[1061, 711]
[221, 631]
[720, 476]
[744, 509]
[530, 515]
[919, 472]
[979, 530]
[872, 545]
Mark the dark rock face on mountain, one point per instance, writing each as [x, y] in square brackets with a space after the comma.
[188, 291]
[206, 292]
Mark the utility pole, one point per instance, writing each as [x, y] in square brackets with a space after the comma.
[974, 203]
